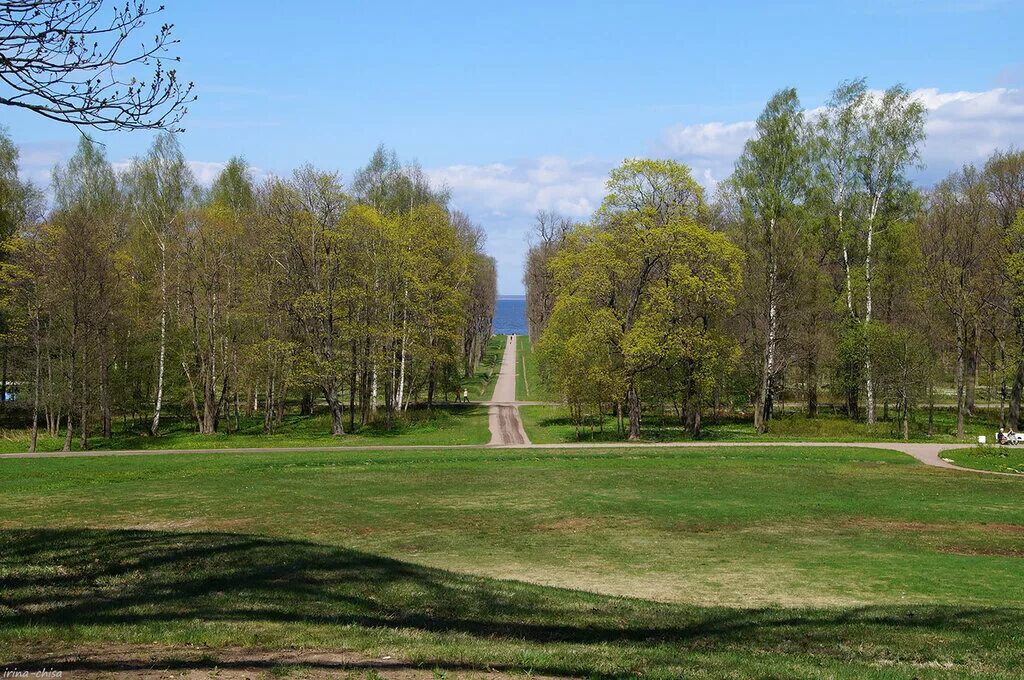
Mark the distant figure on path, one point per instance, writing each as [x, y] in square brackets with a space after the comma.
[465, 395]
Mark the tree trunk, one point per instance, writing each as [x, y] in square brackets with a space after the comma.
[83, 425]
[106, 424]
[401, 364]
[764, 400]
[812, 386]
[1013, 418]
[633, 409]
[431, 385]
[931, 407]
[870, 384]
[337, 413]
[764, 410]
[208, 424]
[154, 427]
[35, 391]
[961, 361]
[268, 411]
[3, 382]
[972, 369]
[68, 434]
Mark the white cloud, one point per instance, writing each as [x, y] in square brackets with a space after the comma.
[504, 197]
[36, 160]
[206, 171]
[709, 148]
[966, 127]
[573, 188]
[962, 127]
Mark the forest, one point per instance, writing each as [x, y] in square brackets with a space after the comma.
[817, 274]
[133, 294]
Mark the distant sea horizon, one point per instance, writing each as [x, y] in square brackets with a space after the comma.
[510, 315]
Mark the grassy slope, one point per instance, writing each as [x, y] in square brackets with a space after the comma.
[552, 425]
[530, 388]
[998, 458]
[881, 566]
[446, 424]
[481, 383]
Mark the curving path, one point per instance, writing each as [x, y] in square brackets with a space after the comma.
[929, 454]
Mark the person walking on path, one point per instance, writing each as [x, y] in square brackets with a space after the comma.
[465, 395]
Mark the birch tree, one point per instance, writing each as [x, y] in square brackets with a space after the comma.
[770, 181]
[160, 188]
[893, 128]
[87, 204]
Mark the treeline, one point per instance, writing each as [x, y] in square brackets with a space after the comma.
[818, 266]
[141, 293]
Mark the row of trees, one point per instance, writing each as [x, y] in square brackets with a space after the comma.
[141, 292]
[818, 264]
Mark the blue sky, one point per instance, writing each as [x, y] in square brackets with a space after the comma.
[527, 105]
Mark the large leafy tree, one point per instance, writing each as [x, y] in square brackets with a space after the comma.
[770, 182]
[160, 188]
[645, 285]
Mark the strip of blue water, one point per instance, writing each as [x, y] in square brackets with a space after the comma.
[510, 315]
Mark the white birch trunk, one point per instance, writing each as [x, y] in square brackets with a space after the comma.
[401, 369]
[869, 378]
[761, 417]
[154, 427]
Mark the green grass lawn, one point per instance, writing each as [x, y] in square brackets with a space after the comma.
[552, 425]
[445, 424]
[528, 383]
[706, 562]
[481, 383]
[991, 457]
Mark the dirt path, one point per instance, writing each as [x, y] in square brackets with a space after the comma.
[503, 412]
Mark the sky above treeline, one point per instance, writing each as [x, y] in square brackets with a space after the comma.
[526, 106]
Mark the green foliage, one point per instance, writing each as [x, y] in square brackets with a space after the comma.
[640, 293]
[658, 191]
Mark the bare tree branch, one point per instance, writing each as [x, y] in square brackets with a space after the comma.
[64, 61]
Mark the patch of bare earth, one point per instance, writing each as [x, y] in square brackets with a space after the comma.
[988, 552]
[899, 525]
[153, 662]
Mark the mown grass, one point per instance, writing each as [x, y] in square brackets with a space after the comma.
[529, 386]
[706, 562]
[445, 424]
[481, 383]
[990, 457]
[553, 425]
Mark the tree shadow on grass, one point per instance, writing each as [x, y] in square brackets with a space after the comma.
[87, 577]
